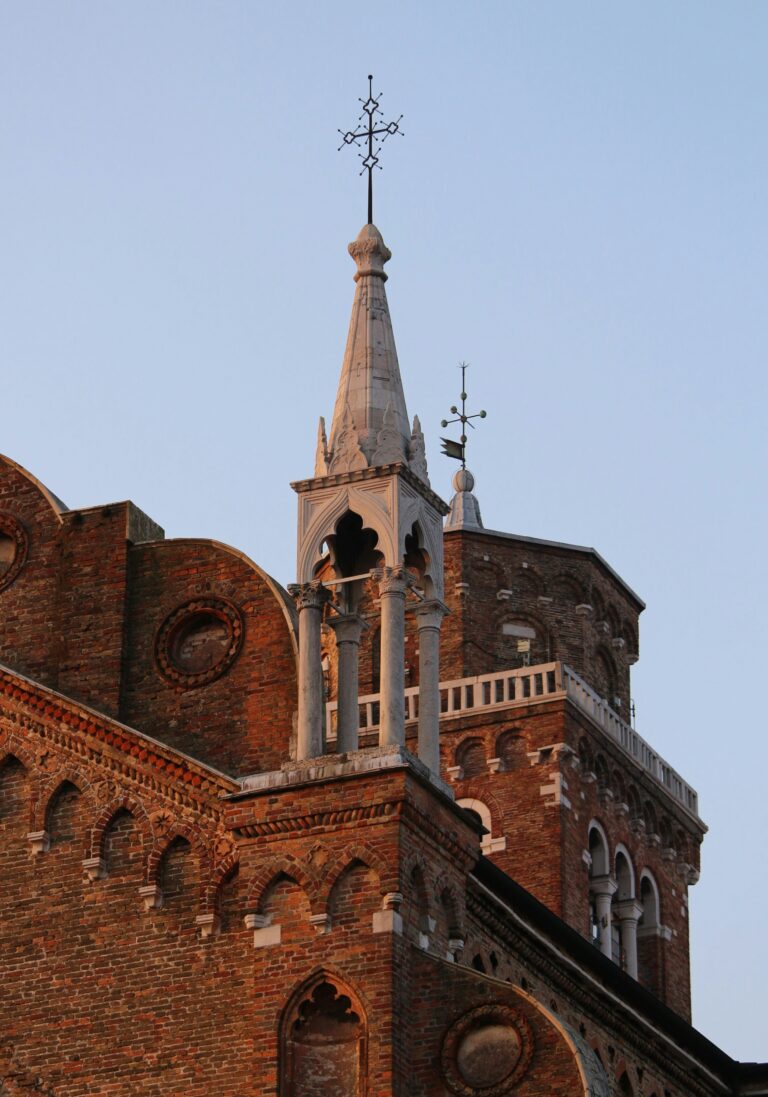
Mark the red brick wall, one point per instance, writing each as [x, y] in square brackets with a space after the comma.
[541, 587]
[242, 721]
[84, 612]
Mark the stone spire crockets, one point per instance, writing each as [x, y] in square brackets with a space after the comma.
[370, 424]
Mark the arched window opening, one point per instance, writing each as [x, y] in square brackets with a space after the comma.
[651, 819]
[324, 1044]
[649, 900]
[665, 833]
[599, 865]
[178, 876]
[122, 845]
[478, 964]
[586, 759]
[471, 757]
[489, 843]
[606, 679]
[650, 937]
[635, 810]
[62, 816]
[524, 643]
[625, 890]
[598, 851]
[416, 909]
[510, 750]
[625, 1086]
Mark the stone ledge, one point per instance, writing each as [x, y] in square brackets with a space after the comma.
[329, 767]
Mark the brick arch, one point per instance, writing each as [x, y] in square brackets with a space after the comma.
[48, 789]
[273, 869]
[216, 880]
[11, 747]
[128, 803]
[358, 853]
[161, 845]
[546, 633]
[341, 990]
[567, 587]
[474, 790]
[426, 899]
[447, 899]
[471, 745]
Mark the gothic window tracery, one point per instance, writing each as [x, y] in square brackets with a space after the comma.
[324, 1043]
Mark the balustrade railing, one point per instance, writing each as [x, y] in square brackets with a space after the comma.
[526, 685]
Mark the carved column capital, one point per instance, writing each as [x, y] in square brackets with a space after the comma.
[429, 614]
[628, 910]
[394, 580]
[309, 595]
[348, 628]
[603, 885]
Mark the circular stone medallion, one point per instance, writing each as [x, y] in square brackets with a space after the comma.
[199, 641]
[487, 1051]
[14, 544]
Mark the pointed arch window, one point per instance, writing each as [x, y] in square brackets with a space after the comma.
[324, 1043]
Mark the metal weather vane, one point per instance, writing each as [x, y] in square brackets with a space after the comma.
[373, 135]
[458, 450]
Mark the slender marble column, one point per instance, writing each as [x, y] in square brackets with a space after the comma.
[393, 583]
[603, 888]
[348, 629]
[429, 618]
[629, 911]
[310, 599]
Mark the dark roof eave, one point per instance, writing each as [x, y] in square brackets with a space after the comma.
[495, 880]
[556, 545]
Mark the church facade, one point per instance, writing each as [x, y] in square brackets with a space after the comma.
[387, 833]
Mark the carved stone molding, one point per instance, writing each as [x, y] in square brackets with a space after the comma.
[199, 641]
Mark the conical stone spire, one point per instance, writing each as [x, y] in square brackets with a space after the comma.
[370, 422]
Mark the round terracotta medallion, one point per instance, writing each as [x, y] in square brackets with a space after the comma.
[199, 641]
[14, 545]
[487, 1051]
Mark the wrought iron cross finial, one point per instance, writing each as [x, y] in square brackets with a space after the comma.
[373, 136]
[458, 450]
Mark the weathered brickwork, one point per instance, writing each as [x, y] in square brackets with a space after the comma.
[579, 611]
[186, 909]
[84, 614]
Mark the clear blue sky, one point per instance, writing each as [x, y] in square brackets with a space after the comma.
[578, 208]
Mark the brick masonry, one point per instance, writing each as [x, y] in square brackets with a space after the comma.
[167, 930]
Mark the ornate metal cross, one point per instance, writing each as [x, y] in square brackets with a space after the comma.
[458, 450]
[373, 134]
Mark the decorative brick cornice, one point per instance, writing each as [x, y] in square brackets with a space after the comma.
[79, 732]
[318, 820]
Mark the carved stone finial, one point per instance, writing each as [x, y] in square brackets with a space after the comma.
[321, 453]
[417, 454]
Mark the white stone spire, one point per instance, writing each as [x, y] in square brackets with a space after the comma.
[370, 424]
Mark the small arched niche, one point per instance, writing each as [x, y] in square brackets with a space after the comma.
[324, 1042]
